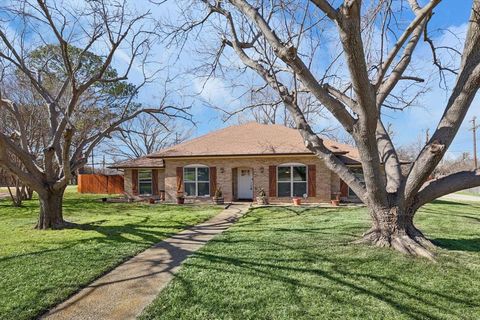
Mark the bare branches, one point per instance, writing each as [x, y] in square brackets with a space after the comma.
[466, 86]
[387, 86]
[67, 64]
[290, 47]
[436, 61]
[288, 54]
[420, 15]
[145, 135]
[326, 8]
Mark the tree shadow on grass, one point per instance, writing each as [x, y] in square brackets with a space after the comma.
[451, 202]
[136, 233]
[338, 278]
[472, 244]
[296, 210]
[123, 233]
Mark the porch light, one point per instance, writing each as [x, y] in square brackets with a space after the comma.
[261, 169]
[222, 170]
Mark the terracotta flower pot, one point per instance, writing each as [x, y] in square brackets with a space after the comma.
[335, 203]
[180, 200]
[297, 201]
[151, 201]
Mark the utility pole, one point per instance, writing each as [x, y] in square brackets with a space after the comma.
[474, 129]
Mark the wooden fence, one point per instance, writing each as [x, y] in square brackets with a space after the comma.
[99, 183]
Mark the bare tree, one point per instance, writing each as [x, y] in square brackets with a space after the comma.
[68, 34]
[144, 135]
[453, 165]
[281, 41]
[28, 112]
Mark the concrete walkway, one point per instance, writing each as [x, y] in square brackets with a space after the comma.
[125, 291]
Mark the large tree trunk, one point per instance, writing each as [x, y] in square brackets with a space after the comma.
[51, 212]
[393, 227]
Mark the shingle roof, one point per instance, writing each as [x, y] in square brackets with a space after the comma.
[243, 140]
[247, 139]
[142, 162]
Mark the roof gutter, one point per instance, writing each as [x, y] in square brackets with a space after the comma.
[257, 155]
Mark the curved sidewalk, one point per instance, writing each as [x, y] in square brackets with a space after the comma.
[126, 290]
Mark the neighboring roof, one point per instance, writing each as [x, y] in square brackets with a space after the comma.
[244, 140]
[142, 162]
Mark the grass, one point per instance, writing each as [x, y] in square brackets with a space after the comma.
[41, 268]
[284, 263]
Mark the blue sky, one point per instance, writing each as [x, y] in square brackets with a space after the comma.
[451, 17]
[450, 20]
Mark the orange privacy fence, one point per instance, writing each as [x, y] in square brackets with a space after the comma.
[99, 183]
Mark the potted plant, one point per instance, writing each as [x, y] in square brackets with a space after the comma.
[180, 198]
[336, 199]
[297, 201]
[262, 197]
[218, 197]
[151, 201]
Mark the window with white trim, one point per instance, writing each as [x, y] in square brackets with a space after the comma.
[145, 182]
[291, 180]
[196, 181]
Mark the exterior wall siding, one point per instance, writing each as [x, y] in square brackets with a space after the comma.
[327, 182]
[127, 182]
[324, 179]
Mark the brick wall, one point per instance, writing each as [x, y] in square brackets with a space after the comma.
[128, 180]
[327, 182]
[324, 177]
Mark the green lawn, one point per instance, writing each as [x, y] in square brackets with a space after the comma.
[39, 269]
[284, 263]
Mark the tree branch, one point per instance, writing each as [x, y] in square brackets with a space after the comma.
[436, 188]
[326, 8]
[421, 14]
[466, 86]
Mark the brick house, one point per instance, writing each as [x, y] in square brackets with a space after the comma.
[240, 160]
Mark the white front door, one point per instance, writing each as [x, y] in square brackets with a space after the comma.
[245, 183]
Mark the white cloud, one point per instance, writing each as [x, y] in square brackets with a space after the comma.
[216, 92]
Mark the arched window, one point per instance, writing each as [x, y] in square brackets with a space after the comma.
[196, 180]
[292, 180]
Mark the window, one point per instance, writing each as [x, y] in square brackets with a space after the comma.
[196, 181]
[291, 180]
[145, 182]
